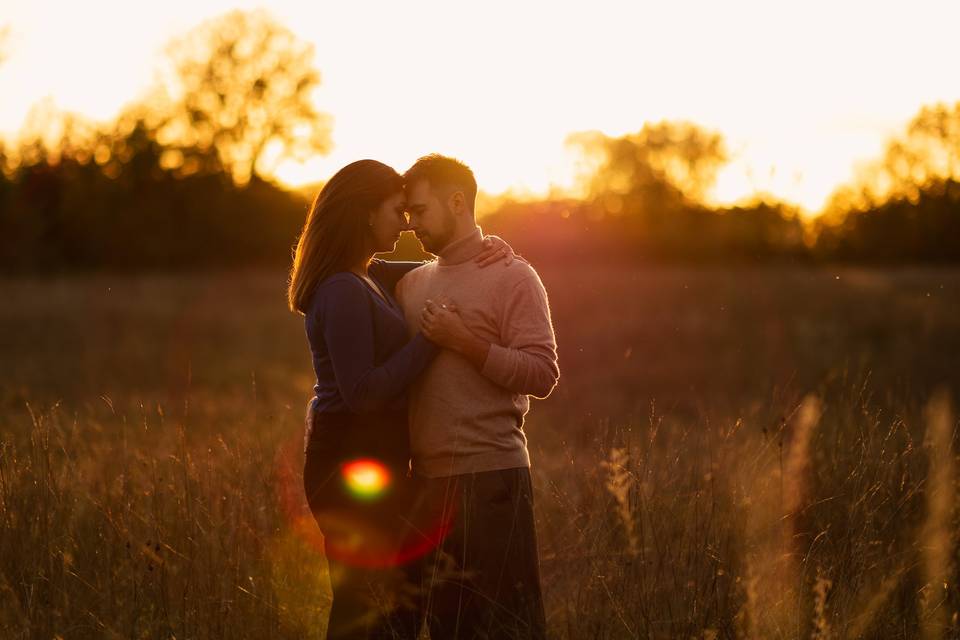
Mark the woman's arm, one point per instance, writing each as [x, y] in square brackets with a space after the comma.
[389, 272]
[348, 332]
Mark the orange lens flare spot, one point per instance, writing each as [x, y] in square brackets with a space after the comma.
[366, 479]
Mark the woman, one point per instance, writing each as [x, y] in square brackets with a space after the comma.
[356, 441]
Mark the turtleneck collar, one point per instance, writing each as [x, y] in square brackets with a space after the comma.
[462, 250]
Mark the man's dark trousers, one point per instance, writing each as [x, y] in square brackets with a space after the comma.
[483, 581]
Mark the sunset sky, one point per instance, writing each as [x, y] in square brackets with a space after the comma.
[802, 91]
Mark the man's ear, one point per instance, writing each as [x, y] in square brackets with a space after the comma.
[457, 202]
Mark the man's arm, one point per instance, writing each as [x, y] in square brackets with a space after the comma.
[527, 361]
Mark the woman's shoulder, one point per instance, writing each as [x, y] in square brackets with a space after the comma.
[336, 285]
[339, 276]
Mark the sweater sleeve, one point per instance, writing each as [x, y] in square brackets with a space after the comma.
[527, 361]
[348, 333]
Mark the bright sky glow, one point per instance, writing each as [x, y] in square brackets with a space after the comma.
[801, 90]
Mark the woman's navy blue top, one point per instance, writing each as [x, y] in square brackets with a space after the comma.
[362, 354]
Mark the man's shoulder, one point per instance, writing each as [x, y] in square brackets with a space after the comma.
[520, 271]
[418, 273]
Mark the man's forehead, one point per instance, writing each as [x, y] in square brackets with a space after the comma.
[418, 192]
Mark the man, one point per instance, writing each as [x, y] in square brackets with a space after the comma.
[467, 410]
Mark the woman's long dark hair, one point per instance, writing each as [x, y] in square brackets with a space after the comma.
[334, 234]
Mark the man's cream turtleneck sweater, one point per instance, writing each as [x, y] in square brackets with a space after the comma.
[463, 420]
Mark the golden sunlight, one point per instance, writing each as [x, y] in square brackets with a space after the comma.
[504, 93]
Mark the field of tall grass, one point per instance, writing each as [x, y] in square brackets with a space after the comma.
[731, 453]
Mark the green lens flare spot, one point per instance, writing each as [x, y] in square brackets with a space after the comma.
[366, 479]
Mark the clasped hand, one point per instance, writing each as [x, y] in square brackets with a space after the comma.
[441, 323]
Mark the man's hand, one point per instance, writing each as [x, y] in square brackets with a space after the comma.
[441, 323]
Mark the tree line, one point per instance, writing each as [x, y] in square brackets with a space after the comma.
[646, 202]
[177, 180]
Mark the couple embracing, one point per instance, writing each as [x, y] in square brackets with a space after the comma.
[416, 465]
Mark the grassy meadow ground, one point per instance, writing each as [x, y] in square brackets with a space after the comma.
[731, 453]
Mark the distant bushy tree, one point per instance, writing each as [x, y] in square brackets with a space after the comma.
[176, 180]
[666, 160]
[104, 199]
[242, 85]
[906, 205]
[646, 200]
[924, 227]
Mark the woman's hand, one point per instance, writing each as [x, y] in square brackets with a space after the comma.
[441, 323]
[495, 249]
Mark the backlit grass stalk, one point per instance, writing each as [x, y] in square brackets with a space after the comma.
[937, 538]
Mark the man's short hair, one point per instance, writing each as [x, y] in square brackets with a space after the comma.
[443, 171]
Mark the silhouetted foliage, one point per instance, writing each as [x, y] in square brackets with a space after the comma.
[117, 207]
[906, 206]
[172, 182]
[666, 160]
[243, 87]
[929, 151]
[646, 203]
[573, 230]
[922, 228]
[176, 181]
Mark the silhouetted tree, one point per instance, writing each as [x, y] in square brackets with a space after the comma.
[906, 205]
[170, 183]
[104, 199]
[243, 86]
[924, 227]
[647, 193]
[926, 153]
[666, 160]
[929, 151]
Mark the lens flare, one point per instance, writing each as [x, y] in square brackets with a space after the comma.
[345, 532]
[366, 479]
